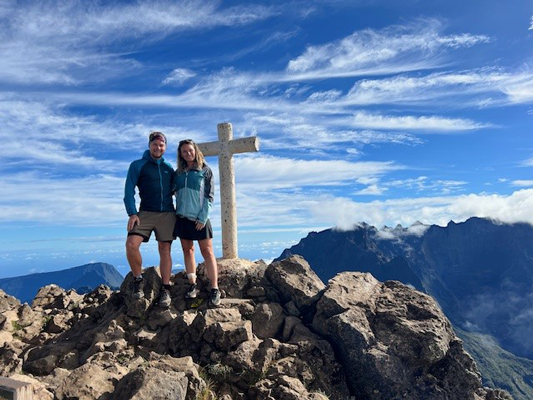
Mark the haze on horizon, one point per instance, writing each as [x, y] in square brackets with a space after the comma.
[368, 110]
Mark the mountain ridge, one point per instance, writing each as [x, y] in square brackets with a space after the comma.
[87, 276]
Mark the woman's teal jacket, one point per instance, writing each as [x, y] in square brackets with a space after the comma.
[195, 193]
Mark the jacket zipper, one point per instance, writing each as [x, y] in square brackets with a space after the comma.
[160, 183]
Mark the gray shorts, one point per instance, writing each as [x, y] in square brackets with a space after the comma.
[162, 223]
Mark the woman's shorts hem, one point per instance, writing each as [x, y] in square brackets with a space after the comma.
[186, 229]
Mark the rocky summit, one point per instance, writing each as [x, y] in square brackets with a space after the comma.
[279, 333]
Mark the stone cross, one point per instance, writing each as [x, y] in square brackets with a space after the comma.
[225, 148]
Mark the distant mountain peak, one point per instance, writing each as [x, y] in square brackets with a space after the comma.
[87, 277]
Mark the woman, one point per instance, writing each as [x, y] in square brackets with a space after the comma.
[195, 188]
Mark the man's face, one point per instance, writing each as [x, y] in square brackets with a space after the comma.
[157, 148]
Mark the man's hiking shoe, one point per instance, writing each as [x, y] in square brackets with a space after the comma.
[214, 297]
[191, 293]
[138, 284]
[164, 298]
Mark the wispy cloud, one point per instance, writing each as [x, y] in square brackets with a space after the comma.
[433, 87]
[421, 123]
[424, 184]
[393, 49]
[531, 24]
[58, 42]
[178, 76]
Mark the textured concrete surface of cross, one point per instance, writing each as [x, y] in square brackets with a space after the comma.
[224, 148]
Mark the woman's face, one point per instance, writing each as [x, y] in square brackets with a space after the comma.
[188, 153]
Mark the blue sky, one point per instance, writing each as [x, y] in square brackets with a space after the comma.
[385, 112]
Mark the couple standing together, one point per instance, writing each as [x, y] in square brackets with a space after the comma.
[193, 185]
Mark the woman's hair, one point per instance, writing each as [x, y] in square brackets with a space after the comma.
[199, 161]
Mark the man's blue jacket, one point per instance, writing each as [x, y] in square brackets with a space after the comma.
[155, 182]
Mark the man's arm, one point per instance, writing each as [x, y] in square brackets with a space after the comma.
[129, 190]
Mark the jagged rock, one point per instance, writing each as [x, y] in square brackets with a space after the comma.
[394, 341]
[26, 315]
[54, 297]
[390, 341]
[291, 309]
[159, 319]
[111, 339]
[295, 281]
[59, 322]
[70, 361]
[95, 379]
[43, 365]
[7, 302]
[165, 378]
[285, 388]
[89, 381]
[10, 362]
[9, 321]
[256, 291]
[203, 321]
[288, 327]
[42, 360]
[267, 320]
[492, 394]
[151, 287]
[151, 383]
[235, 276]
[227, 335]
[5, 337]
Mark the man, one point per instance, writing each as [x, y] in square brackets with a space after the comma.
[153, 177]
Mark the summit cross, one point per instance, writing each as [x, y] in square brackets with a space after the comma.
[224, 149]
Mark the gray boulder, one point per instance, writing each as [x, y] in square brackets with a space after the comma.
[393, 341]
[295, 281]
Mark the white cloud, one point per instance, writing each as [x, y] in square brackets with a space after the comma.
[417, 229]
[81, 201]
[178, 76]
[67, 42]
[520, 90]
[55, 137]
[418, 45]
[276, 172]
[522, 183]
[433, 87]
[373, 190]
[426, 124]
[423, 183]
[531, 25]
[344, 213]
[528, 162]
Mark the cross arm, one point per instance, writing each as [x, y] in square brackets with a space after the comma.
[244, 145]
[210, 148]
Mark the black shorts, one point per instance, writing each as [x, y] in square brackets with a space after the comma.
[186, 229]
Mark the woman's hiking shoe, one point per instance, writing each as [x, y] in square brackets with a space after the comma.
[138, 284]
[191, 293]
[214, 297]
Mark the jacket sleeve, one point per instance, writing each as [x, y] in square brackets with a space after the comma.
[209, 196]
[129, 189]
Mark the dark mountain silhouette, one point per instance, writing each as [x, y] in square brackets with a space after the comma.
[85, 277]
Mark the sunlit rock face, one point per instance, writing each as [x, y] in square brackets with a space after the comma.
[480, 271]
